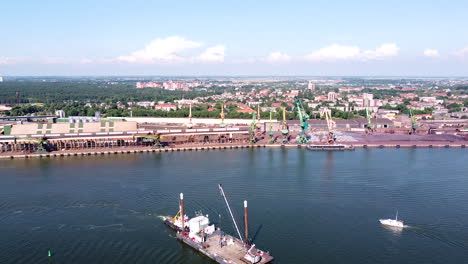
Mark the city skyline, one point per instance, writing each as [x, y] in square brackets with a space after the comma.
[263, 38]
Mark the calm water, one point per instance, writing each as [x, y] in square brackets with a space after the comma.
[305, 207]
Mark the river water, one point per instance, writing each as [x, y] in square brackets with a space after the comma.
[305, 207]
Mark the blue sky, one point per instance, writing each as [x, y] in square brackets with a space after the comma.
[234, 37]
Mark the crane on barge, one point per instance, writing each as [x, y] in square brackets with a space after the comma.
[221, 190]
[303, 117]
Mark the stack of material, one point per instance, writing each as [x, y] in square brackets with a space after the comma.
[321, 136]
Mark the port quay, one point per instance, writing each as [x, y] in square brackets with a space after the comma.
[44, 137]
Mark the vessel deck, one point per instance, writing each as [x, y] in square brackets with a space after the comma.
[230, 253]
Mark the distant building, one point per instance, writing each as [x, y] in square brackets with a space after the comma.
[459, 114]
[83, 119]
[1, 79]
[268, 109]
[246, 110]
[440, 113]
[332, 96]
[389, 114]
[368, 99]
[60, 113]
[311, 86]
[165, 107]
[431, 99]
[146, 104]
[5, 107]
[140, 85]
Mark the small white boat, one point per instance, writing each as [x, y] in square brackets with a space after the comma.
[392, 222]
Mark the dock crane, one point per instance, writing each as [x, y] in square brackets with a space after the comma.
[303, 117]
[253, 139]
[42, 144]
[190, 124]
[222, 116]
[414, 124]
[155, 139]
[331, 125]
[369, 125]
[258, 113]
[271, 140]
[284, 128]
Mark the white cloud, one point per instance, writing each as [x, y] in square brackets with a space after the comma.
[212, 54]
[86, 61]
[340, 52]
[431, 53]
[169, 49]
[334, 52]
[385, 50]
[278, 57]
[54, 60]
[463, 52]
[10, 60]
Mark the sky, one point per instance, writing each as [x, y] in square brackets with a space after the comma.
[145, 37]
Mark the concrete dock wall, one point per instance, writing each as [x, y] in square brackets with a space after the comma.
[212, 147]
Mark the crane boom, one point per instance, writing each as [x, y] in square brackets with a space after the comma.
[252, 130]
[414, 125]
[222, 116]
[221, 190]
[303, 116]
[271, 133]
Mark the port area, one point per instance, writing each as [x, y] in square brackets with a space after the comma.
[232, 252]
[208, 147]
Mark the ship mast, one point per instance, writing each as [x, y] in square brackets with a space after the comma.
[230, 211]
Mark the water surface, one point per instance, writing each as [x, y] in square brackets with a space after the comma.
[305, 207]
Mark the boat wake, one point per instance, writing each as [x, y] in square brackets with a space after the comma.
[434, 235]
[163, 217]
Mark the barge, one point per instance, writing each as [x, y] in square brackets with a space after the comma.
[330, 147]
[213, 242]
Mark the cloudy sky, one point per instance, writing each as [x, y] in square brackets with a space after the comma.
[145, 37]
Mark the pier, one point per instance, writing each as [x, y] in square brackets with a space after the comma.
[135, 150]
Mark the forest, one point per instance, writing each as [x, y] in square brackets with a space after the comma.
[90, 92]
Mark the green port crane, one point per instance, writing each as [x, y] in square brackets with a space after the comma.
[303, 117]
[253, 139]
[414, 124]
[369, 126]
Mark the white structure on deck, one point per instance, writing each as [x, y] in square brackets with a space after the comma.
[199, 227]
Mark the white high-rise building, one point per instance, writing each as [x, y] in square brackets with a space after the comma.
[368, 99]
[311, 86]
[1, 79]
[60, 113]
